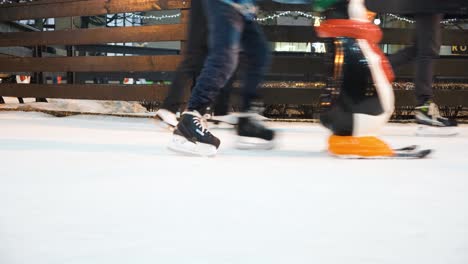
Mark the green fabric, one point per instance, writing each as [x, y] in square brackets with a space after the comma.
[322, 5]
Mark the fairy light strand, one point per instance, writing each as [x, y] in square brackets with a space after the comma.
[261, 19]
[286, 13]
[158, 18]
[443, 22]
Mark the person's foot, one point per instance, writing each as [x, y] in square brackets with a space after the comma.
[432, 123]
[168, 119]
[253, 134]
[192, 136]
[428, 114]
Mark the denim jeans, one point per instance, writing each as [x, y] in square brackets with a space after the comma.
[194, 57]
[228, 33]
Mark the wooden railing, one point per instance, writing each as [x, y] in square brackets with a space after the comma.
[304, 68]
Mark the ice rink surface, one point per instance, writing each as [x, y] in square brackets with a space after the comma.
[94, 190]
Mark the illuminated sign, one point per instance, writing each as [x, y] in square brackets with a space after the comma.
[460, 49]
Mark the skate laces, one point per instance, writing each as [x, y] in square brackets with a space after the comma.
[201, 124]
[434, 111]
[430, 109]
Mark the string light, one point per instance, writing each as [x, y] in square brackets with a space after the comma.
[454, 20]
[266, 18]
[14, 2]
[404, 19]
[158, 18]
[287, 13]
[316, 19]
[444, 22]
[262, 19]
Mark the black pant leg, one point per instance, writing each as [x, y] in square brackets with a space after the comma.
[428, 42]
[194, 57]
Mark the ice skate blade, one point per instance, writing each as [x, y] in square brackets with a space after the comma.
[252, 143]
[430, 131]
[166, 117]
[230, 119]
[406, 156]
[182, 145]
[402, 154]
[163, 125]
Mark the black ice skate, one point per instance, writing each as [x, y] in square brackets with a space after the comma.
[253, 134]
[192, 137]
[432, 123]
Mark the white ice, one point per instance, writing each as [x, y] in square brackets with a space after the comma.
[94, 190]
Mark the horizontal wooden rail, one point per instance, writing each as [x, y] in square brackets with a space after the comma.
[86, 91]
[442, 67]
[158, 93]
[120, 49]
[69, 8]
[164, 63]
[406, 36]
[176, 32]
[90, 64]
[390, 35]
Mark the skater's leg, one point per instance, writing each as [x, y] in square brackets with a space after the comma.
[221, 105]
[258, 59]
[225, 27]
[428, 35]
[403, 56]
[258, 56]
[195, 53]
[252, 133]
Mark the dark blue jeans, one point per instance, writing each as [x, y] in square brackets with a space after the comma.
[229, 33]
[196, 51]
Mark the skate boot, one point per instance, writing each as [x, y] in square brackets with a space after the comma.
[252, 134]
[432, 123]
[192, 137]
[167, 118]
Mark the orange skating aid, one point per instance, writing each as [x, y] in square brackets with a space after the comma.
[360, 147]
